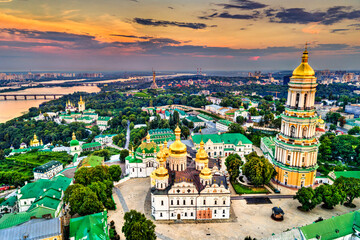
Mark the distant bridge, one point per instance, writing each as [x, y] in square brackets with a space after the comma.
[30, 96]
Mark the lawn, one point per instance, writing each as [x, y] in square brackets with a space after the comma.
[113, 151]
[141, 94]
[242, 189]
[92, 161]
[40, 158]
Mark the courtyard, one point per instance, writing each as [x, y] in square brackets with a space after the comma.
[249, 220]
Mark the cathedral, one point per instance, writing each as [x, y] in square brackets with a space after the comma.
[72, 108]
[296, 146]
[187, 188]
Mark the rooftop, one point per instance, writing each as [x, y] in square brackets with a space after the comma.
[47, 166]
[226, 138]
[89, 227]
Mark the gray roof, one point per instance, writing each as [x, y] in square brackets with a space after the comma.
[47, 166]
[33, 229]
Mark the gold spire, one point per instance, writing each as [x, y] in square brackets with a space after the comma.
[304, 70]
[177, 147]
[73, 136]
[201, 155]
[161, 172]
[166, 150]
[41, 142]
[148, 138]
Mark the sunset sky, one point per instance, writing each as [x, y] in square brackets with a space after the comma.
[119, 35]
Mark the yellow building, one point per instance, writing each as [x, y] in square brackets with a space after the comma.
[35, 142]
[296, 146]
[81, 105]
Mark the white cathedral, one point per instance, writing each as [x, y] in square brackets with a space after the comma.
[186, 188]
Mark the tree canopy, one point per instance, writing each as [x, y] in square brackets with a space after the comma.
[258, 169]
[137, 227]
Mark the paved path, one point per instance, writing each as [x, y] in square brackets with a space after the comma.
[261, 196]
[126, 209]
[122, 200]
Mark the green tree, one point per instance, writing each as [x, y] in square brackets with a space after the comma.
[82, 176]
[330, 195]
[99, 189]
[105, 153]
[332, 127]
[236, 128]
[253, 112]
[233, 163]
[123, 154]
[240, 120]
[2, 154]
[354, 131]
[258, 169]
[351, 187]
[307, 198]
[137, 227]
[115, 172]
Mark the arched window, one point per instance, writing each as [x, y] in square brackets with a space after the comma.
[304, 132]
[292, 131]
[297, 100]
[305, 98]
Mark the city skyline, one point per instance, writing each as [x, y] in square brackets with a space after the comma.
[173, 36]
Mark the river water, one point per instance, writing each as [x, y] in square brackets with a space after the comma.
[14, 108]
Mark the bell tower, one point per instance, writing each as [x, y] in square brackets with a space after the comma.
[296, 146]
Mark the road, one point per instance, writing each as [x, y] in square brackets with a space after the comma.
[261, 196]
[127, 136]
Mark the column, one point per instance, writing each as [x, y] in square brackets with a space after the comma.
[301, 100]
[288, 98]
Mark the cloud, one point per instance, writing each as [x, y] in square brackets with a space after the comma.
[163, 23]
[243, 4]
[131, 36]
[328, 17]
[339, 30]
[254, 15]
[255, 58]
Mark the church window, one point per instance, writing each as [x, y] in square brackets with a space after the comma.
[172, 202]
[184, 202]
[215, 202]
[297, 100]
[178, 202]
[188, 190]
[192, 202]
[305, 98]
[185, 214]
[224, 202]
[162, 203]
[160, 214]
[191, 214]
[215, 211]
[223, 211]
[204, 202]
[292, 133]
[178, 191]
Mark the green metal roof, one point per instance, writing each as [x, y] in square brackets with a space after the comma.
[269, 142]
[348, 174]
[48, 202]
[226, 138]
[225, 122]
[105, 135]
[11, 201]
[333, 228]
[92, 227]
[193, 119]
[205, 117]
[101, 118]
[132, 159]
[13, 219]
[47, 166]
[90, 145]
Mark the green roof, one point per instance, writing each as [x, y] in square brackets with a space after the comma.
[74, 142]
[269, 142]
[13, 219]
[226, 138]
[148, 147]
[225, 122]
[92, 227]
[91, 145]
[333, 228]
[348, 174]
[132, 159]
[103, 118]
[36, 189]
[11, 201]
[205, 117]
[47, 166]
[181, 112]
[193, 119]
[48, 202]
[89, 113]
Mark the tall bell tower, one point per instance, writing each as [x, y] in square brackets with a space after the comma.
[296, 146]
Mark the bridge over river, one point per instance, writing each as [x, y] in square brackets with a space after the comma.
[29, 96]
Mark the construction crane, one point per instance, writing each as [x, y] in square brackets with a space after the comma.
[274, 92]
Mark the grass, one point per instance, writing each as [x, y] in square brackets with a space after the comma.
[40, 158]
[242, 189]
[141, 94]
[92, 161]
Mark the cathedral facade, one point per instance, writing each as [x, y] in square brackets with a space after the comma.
[296, 146]
[186, 188]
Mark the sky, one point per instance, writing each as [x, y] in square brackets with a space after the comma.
[178, 35]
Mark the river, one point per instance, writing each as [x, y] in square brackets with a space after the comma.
[14, 108]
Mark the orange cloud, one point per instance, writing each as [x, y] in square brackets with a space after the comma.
[312, 29]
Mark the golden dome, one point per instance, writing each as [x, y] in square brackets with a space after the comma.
[201, 155]
[148, 137]
[321, 121]
[177, 147]
[35, 139]
[166, 150]
[160, 154]
[161, 173]
[304, 69]
[205, 173]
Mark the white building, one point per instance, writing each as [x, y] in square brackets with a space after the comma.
[105, 138]
[47, 170]
[222, 145]
[223, 125]
[193, 193]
